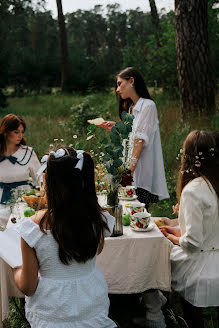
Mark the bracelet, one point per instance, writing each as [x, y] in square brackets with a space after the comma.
[134, 161]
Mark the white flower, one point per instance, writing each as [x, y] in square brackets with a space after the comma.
[51, 145]
[61, 139]
[55, 139]
[90, 137]
[74, 136]
[70, 145]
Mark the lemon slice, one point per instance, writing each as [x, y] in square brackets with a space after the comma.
[96, 121]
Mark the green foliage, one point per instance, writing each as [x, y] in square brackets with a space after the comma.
[113, 150]
[101, 42]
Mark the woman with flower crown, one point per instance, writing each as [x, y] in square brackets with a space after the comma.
[195, 256]
[18, 162]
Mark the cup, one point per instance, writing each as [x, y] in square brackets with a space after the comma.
[134, 207]
[142, 219]
[129, 191]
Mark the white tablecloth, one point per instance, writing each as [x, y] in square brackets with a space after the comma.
[136, 261]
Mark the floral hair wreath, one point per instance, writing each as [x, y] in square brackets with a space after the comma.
[197, 160]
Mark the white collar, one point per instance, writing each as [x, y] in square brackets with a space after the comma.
[138, 105]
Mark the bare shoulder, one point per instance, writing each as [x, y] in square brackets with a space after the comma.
[36, 218]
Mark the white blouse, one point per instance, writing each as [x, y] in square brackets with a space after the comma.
[195, 263]
[9, 173]
[149, 173]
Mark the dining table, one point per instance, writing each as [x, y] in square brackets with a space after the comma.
[131, 263]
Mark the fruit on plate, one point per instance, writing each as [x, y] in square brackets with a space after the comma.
[159, 222]
[126, 219]
[28, 212]
[96, 121]
[31, 192]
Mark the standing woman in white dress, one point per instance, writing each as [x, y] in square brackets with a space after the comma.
[146, 163]
[195, 256]
[145, 152]
[18, 162]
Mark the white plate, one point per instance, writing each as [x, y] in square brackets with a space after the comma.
[128, 198]
[149, 228]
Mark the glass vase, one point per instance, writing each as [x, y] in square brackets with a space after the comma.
[116, 211]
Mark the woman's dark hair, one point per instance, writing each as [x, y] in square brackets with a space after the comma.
[139, 85]
[9, 123]
[74, 215]
[200, 158]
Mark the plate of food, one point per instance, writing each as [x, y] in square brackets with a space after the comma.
[97, 121]
[35, 199]
[135, 228]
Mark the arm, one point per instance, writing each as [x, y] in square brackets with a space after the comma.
[136, 153]
[26, 276]
[146, 125]
[107, 125]
[192, 208]
[170, 222]
[173, 234]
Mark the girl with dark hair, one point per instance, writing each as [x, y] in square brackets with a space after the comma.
[146, 162]
[59, 275]
[195, 257]
[145, 152]
[18, 162]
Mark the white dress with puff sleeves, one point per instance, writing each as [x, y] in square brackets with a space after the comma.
[67, 296]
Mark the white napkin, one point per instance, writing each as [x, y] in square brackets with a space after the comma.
[10, 247]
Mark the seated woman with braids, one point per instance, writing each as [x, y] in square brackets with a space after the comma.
[18, 162]
[195, 256]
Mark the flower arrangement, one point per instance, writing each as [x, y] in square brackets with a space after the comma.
[114, 160]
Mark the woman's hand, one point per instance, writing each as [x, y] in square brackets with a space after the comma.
[169, 222]
[175, 209]
[107, 125]
[171, 233]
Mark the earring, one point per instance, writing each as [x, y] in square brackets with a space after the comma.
[131, 85]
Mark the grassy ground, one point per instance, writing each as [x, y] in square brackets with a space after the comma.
[60, 117]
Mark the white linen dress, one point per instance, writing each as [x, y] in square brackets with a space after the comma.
[195, 263]
[67, 296]
[149, 173]
[9, 173]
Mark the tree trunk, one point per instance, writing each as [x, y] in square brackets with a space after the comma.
[64, 47]
[155, 21]
[193, 57]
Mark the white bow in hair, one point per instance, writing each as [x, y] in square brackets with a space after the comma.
[59, 153]
[80, 156]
